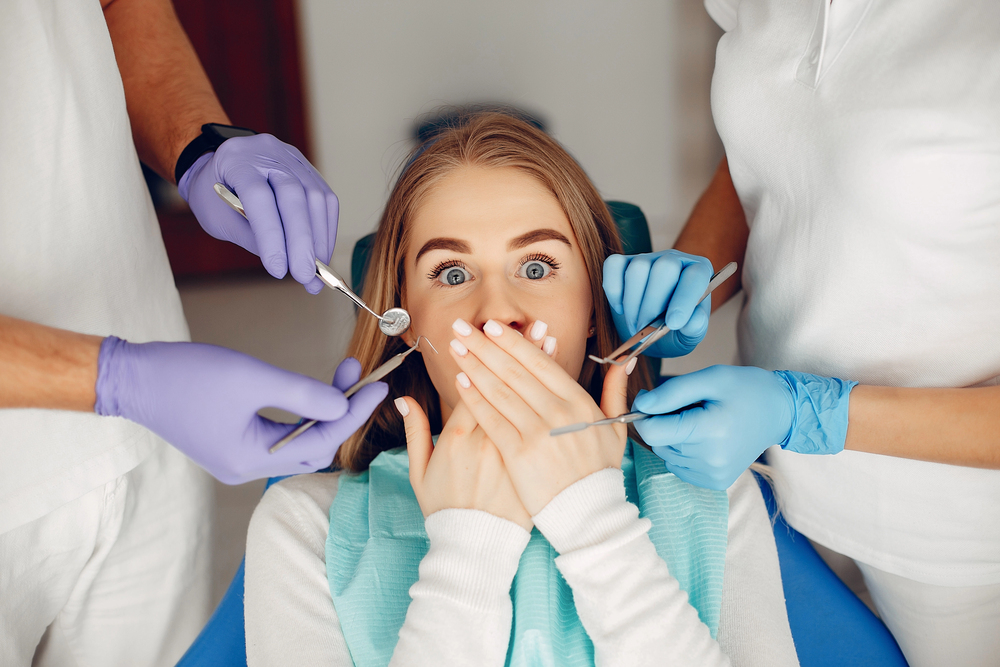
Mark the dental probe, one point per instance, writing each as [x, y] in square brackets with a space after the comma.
[626, 418]
[374, 376]
[657, 329]
[393, 322]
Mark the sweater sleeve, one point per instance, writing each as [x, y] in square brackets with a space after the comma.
[633, 609]
[460, 611]
[288, 611]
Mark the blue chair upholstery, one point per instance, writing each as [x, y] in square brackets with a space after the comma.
[830, 625]
[222, 642]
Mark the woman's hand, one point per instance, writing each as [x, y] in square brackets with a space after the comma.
[464, 470]
[517, 394]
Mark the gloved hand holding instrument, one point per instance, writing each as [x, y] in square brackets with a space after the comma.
[204, 399]
[726, 416]
[293, 212]
[710, 425]
[639, 288]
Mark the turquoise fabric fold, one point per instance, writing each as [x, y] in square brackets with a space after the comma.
[377, 539]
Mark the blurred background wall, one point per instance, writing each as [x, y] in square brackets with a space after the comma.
[623, 85]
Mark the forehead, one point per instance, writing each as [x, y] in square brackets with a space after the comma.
[486, 204]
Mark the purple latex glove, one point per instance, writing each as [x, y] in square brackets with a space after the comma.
[204, 399]
[292, 211]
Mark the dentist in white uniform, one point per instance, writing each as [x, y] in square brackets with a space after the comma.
[861, 195]
[104, 526]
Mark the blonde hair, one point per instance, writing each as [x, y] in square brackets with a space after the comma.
[491, 140]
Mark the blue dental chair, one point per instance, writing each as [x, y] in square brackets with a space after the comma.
[831, 627]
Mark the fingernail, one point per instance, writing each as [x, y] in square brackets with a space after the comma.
[462, 327]
[538, 330]
[675, 321]
[630, 366]
[549, 346]
[401, 405]
[493, 328]
[463, 380]
[460, 349]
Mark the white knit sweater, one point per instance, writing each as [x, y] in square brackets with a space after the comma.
[630, 605]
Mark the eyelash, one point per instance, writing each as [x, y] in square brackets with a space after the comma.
[449, 263]
[540, 257]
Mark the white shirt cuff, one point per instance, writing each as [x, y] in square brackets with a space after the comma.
[589, 512]
[473, 557]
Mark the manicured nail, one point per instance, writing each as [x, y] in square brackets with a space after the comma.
[463, 380]
[462, 327]
[493, 328]
[549, 346]
[401, 405]
[460, 349]
[538, 330]
[630, 366]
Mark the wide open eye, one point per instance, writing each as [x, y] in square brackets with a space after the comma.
[453, 275]
[535, 269]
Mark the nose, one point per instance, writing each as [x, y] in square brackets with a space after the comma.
[498, 301]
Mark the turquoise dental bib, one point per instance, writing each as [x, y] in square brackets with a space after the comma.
[377, 540]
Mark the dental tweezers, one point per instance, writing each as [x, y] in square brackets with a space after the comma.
[626, 418]
[657, 329]
[376, 375]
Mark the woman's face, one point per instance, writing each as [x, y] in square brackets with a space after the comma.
[494, 243]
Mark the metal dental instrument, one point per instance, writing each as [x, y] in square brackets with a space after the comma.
[393, 322]
[626, 418]
[657, 329]
[374, 376]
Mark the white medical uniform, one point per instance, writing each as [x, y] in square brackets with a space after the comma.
[863, 139]
[102, 525]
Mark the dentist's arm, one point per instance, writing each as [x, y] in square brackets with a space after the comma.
[202, 399]
[168, 94]
[292, 212]
[43, 367]
[717, 230]
[726, 416]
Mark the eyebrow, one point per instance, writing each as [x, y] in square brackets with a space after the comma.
[455, 245]
[535, 236]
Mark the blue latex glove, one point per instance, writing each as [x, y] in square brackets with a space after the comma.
[204, 399]
[726, 416]
[640, 287]
[292, 211]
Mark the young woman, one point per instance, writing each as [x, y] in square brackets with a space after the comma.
[499, 543]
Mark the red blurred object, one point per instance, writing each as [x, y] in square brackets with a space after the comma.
[250, 50]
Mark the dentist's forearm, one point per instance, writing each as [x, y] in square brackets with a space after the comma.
[717, 229]
[955, 426]
[43, 367]
[168, 94]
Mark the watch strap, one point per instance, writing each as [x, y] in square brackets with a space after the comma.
[209, 140]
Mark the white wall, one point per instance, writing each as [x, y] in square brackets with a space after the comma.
[599, 73]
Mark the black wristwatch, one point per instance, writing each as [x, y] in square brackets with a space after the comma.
[212, 136]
